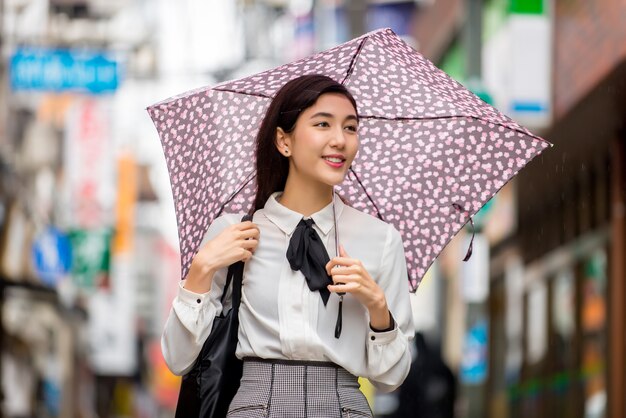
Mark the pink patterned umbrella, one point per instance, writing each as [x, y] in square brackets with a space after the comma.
[431, 152]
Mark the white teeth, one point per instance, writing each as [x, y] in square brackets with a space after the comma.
[333, 160]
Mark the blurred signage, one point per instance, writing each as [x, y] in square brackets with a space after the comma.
[517, 62]
[125, 203]
[526, 6]
[113, 310]
[112, 325]
[46, 69]
[90, 257]
[89, 164]
[531, 70]
[474, 362]
[475, 272]
[52, 255]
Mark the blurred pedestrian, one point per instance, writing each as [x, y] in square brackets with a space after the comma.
[429, 390]
[302, 344]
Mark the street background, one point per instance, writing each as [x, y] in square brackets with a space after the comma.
[532, 326]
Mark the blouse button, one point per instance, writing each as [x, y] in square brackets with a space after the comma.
[373, 338]
[198, 300]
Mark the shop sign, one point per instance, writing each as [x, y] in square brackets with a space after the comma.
[90, 257]
[474, 361]
[48, 69]
[89, 164]
[52, 255]
[517, 62]
[527, 6]
[531, 70]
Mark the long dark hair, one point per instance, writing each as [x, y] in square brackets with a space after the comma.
[292, 99]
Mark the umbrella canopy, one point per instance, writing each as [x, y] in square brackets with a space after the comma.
[431, 153]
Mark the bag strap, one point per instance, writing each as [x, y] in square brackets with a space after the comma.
[235, 271]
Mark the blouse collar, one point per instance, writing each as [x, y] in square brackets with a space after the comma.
[287, 219]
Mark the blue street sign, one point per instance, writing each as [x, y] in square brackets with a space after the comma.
[52, 255]
[46, 69]
[474, 361]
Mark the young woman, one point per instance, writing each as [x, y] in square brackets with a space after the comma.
[297, 361]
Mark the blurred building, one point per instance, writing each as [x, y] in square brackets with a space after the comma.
[88, 241]
[554, 332]
[574, 198]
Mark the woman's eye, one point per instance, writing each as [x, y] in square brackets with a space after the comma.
[352, 128]
[323, 124]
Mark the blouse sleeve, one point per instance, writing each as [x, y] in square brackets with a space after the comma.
[388, 353]
[191, 316]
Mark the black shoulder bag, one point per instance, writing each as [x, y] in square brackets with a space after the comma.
[209, 387]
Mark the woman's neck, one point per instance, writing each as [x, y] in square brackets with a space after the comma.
[304, 197]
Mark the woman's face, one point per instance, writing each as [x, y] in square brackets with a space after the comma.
[324, 141]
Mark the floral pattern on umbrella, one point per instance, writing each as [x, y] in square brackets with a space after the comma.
[431, 152]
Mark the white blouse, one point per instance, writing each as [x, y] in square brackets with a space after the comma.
[280, 318]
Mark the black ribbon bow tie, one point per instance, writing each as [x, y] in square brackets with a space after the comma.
[306, 252]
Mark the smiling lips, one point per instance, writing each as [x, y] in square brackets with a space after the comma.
[335, 161]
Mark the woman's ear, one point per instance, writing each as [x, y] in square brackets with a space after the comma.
[283, 142]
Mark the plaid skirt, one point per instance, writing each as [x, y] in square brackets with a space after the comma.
[283, 388]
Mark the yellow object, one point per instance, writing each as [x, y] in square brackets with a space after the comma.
[368, 390]
[125, 205]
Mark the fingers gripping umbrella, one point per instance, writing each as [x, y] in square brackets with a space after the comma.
[431, 152]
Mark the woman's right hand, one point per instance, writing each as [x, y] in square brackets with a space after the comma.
[235, 243]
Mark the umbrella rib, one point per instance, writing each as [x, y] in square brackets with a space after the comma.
[232, 196]
[405, 119]
[401, 118]
[265, 96]
[367, 194]
[353, 62]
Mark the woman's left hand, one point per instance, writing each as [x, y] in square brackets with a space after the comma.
[350, 276]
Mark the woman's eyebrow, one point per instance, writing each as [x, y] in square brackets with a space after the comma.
[329, 115]
[322, 114]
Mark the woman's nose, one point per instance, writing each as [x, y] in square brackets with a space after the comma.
[338, 138]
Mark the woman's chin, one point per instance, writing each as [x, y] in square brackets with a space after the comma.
[335, 180]
[329, 179]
